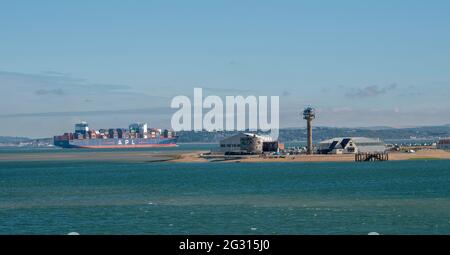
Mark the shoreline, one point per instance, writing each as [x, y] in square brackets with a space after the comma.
[195, 157]
[393, 156]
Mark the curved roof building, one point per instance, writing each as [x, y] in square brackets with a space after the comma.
[346, 145]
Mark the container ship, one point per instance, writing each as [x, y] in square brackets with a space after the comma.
[138, 135]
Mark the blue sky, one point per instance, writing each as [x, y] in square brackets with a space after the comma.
[360, 63]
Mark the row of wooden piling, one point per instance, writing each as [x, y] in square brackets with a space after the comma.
[362, 157]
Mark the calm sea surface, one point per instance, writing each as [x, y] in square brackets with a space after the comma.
[410, 197]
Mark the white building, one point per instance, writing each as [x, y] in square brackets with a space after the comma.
[351, 145]
[444, 144]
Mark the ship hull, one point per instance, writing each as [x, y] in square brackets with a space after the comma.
[117, 143]
[121, 146]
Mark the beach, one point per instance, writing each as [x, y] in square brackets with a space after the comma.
[393, 156]
[196, 156]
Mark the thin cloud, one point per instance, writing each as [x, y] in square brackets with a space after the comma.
[153, 111]
[226, 90]
[55, 83]
[44, 92]
[371, 91]
[341, 109]
[55, 73]
[286, 93]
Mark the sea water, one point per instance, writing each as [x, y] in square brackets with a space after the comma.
[403, 197]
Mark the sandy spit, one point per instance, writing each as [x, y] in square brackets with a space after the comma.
[195, 157]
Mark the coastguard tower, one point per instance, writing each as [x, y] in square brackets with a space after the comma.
[309, 114]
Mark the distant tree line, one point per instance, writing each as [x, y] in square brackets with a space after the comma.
[323, 133]
[292, 135]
